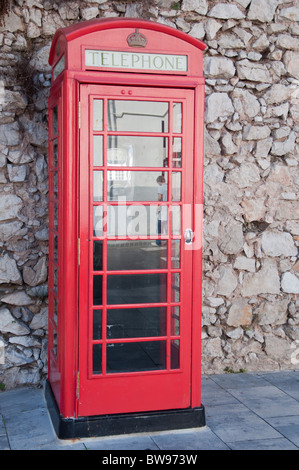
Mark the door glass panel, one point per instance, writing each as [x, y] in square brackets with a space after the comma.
[136, 288]
[97, 115]
[55, 121]
[97, 186]
[176, 186]
[97, 290]
[176, 220]
[137, 151]
[97, 324]
[136, 185]
[55, 185]
[97, 359]
[175, 287]
[134, 357]
[175, 321]
[175, 254]
[56, 217]
[136, 220]
[136, 322]
[177, 118]
[98, 221]
[137, 116]
[175, 354]
[143, 254]
[97, 150]
[177, 152]
[55, 154]
[97, 255]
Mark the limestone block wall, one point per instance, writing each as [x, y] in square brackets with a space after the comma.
[251, 209]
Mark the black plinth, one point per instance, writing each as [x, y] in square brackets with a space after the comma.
[111, 425]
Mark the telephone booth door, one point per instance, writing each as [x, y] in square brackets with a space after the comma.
[135, 220]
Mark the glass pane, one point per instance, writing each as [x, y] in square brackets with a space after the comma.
[55, 156]
[136, 255]
[175, 254]
[175, 354]
[55, 248]
[175, 321]
[136, 288]
[97, 324]
[97, 150]
[134, 221]
[97, 290]
[176, 186]
[56, 217]
[176, 220]
[97, 115]
[175, 287]
[133, 357]
[177, 117]
[97, 255]
[98, 221]
[137, 116]
[55, 313]
[55, 175]
[55, 342]
[55, 120]
[177, 152]
[97, 186]
[136, 322]
[137, 151]
[97, 359]
[55, 279]
[137, 185]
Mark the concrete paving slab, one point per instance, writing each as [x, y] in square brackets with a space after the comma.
[134, 442]
[4, 445]
[267, 401]
[288, 426]
[263, 444]
[190, 439]
[237, 423]
[287, 381]
[238, 381]
[29, 427]
[214, 394]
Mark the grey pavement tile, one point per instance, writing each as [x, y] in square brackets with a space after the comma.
[263, 444]
[267, 401]
[21, 399]
[214, 394]
[2, 426]
[191, 439]
[133, 442]
[29, 428]
[287, 381]
[57, 444]
[288, 426]
[238, 381]
[4, 445]
[237, 423]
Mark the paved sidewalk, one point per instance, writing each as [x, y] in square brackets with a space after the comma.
[243, 412]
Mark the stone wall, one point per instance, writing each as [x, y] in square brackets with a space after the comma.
[251, 209]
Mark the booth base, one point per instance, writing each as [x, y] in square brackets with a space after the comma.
[112, 425]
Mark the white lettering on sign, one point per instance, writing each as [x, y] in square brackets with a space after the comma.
[136, 60]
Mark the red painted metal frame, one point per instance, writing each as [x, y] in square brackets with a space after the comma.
[63, 373]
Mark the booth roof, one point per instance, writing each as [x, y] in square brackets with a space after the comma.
[86, 27]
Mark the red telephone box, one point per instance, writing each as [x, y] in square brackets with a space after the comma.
[126, 113]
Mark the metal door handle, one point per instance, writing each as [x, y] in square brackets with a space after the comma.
[188, 236]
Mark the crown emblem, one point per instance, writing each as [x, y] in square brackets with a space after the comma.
[137, 39]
